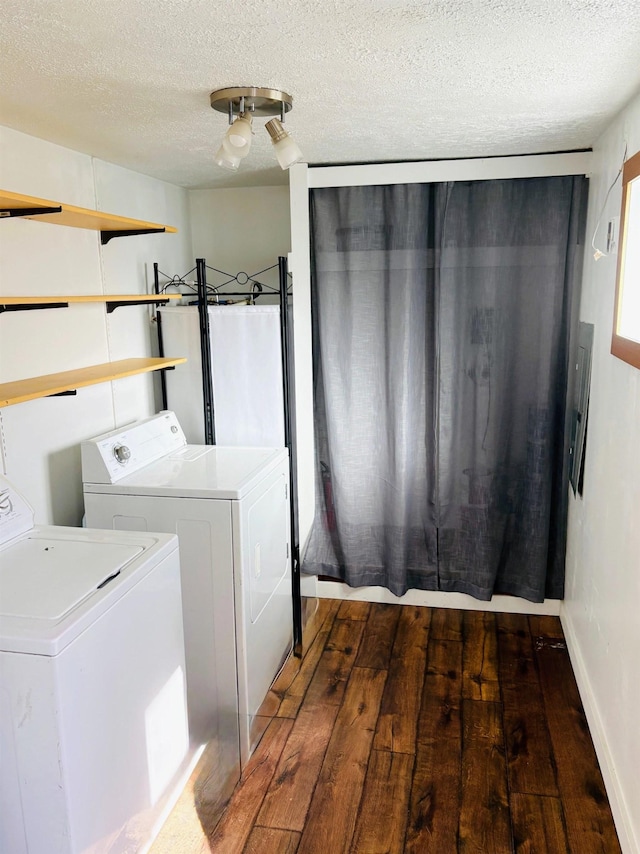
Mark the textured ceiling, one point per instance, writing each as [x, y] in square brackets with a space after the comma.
[372, 80]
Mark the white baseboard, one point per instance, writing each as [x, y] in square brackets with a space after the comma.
[430, 598]
[619, 807]
[308, 585]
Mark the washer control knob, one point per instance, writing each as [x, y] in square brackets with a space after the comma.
[121, 453]
[174, 429]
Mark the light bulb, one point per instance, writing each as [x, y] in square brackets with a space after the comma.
[284, 147]
[239, 135]
[226, 159]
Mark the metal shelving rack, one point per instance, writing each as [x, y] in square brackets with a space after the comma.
[202, 293]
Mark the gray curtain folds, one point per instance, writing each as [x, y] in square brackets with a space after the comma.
[443, 317]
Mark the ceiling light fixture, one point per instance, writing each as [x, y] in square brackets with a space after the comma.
[242, 105]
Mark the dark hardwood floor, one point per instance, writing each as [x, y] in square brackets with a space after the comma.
[403, 729]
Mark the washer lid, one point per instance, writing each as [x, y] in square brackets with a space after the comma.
[52, 581]
[46, 578]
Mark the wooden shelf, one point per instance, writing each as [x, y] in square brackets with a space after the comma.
[45, 210]
[112, 301]
[66, 382]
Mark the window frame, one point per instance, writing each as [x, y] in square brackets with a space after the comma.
[625, 348]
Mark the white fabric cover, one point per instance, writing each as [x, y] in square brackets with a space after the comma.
[247, 373]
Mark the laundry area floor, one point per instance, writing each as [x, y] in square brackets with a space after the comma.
[407, 729]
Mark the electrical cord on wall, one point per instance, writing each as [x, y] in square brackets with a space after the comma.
[598, 253]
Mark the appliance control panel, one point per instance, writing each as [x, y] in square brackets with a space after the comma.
[111, 456]
[16, 514]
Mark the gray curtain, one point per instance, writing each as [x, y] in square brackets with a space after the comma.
[443, 321]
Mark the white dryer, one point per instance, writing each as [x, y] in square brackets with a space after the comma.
[230, 509]
[93, 723]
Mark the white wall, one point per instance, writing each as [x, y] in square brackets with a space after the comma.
[40, 439]
[243, 229]
[601, 611]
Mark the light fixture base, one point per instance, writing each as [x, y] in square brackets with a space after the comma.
[258, 102]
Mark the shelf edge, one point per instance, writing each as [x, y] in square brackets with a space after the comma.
[54, 384]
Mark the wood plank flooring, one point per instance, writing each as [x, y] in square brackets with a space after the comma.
[430, 731]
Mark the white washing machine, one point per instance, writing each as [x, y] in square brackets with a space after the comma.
[230, 509]
[93, 723]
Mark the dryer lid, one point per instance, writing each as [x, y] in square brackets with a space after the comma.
[45, 578]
